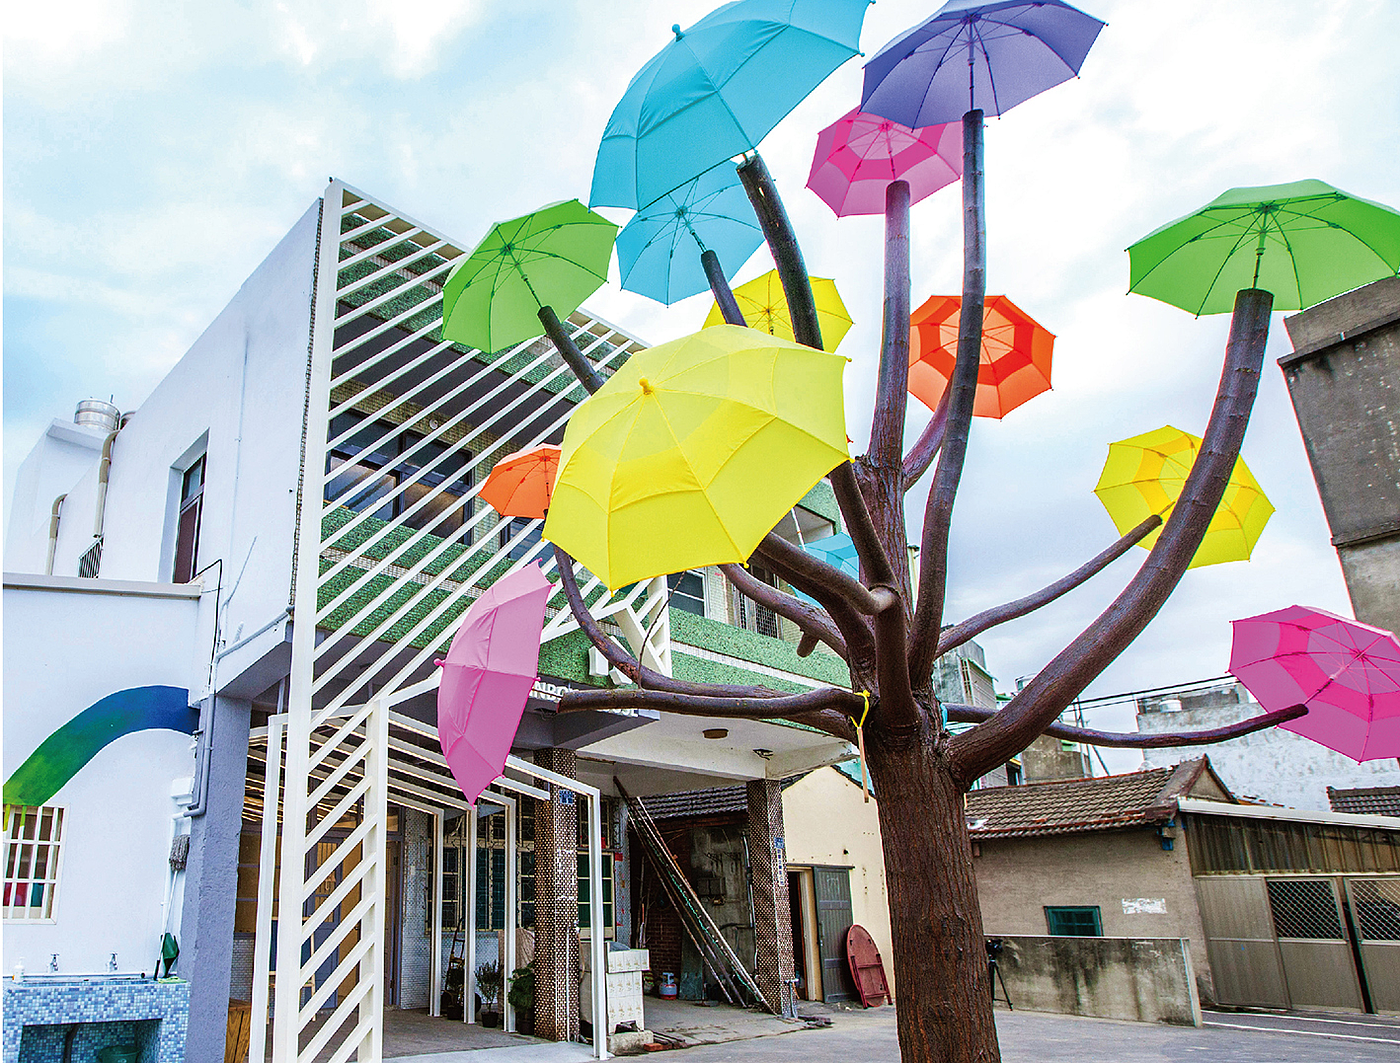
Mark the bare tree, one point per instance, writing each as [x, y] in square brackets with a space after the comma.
[890, 631]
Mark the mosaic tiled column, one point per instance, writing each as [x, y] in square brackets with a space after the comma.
[768, 874]
[556, 904]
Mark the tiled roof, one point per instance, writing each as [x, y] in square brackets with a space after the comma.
[721, 800]
[1140, 798]
[1366, 800]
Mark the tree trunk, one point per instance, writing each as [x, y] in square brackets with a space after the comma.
[944, 1011]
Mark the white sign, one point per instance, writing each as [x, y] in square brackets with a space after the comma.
[1144, 906]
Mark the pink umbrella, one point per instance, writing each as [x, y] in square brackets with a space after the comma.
[487, 676]
[859, 155]
[1346, 673]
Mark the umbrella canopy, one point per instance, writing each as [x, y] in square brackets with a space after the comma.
[1305, 242]
[1345, 672]
[970, 55]
[487, 676]
[1015, 356]
[557, 256]
[858, 156]
[658, 251]
[1146, 474]
[716, 90]
[693, 451]
[765, 308]
[520, 485]
[838, 551]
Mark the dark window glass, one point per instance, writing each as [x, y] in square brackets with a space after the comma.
[522, 535]
[1081, 921]
[187, 527]
[687, 591]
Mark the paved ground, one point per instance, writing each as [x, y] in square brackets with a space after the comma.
[856, 1037]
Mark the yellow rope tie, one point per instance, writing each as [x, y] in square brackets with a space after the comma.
[860, 742]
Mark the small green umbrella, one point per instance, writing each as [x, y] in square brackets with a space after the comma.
[554, 258]
[1304, 242]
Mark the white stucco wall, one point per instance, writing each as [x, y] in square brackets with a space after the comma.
[64, 453]
[238, 396]
[828, 822]
[66, 648]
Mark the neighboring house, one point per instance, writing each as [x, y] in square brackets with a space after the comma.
[1283, 908]
[1272, 766]
[1343, 376]
[287, 531]
[1366, 800]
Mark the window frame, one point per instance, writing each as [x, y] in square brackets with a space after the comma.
[53, 881]
[189, 503]
[1053, 912]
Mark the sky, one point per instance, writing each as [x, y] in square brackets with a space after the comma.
[156, 150]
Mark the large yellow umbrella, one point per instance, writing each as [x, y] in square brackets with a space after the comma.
[1145, 475]
[693, 451]
[765, 308]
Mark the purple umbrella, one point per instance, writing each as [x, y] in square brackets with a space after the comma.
[487, 676]
[984, 56]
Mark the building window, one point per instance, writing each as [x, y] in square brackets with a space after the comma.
[751, 616]
[584, 910]
[1079, 922]
[33, 837]
[687, 591]
[187, 526]
[522, 535]
[373, 475]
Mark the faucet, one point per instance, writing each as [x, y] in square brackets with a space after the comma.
[112, 963]
[53, 961]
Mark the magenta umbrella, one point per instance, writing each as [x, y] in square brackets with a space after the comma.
[1346, 673]
[859, 154]
[487, 676]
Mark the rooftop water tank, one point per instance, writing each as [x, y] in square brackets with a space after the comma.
[94, 413]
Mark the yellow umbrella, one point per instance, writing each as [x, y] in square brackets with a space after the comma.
[1145, 475]
[765, 309]
[693, 451]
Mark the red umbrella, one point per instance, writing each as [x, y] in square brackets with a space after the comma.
[521, 484]
[487, 676]
[1016, 354]
[858, 155]
[1345, 672]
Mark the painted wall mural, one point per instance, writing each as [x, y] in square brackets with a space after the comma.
[64, 753]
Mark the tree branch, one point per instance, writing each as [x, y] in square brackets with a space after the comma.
[719, 286]
[989, 618]
[938, 515]
[975, 752]
[568, 350]
[874, 562]
[813, 621]
[782, 243]
[892, 388]
[825, 584]
[1138, 739]
[627, 664]
[762, 708]
[922, 453]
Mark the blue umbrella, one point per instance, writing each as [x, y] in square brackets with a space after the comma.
[659, 251]
[970, 55]
[716, 90]
[839, 552]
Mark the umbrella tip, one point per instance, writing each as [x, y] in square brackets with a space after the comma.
[646, 387]
[438, 663]
[676, 29]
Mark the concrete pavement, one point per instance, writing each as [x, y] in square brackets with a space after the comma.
[1027, 1037]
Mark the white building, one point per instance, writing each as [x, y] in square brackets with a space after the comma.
[286, 532]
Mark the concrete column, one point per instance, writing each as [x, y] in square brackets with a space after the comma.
[768, 877]
[556, 904]
[211, 876]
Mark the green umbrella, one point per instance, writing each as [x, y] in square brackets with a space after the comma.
[1304, 242]
[550, 260]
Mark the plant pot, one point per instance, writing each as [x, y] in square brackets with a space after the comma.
[490, 1019]
[525, 1023]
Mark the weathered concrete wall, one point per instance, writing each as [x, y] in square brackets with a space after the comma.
[1115, 870]
[829, 822]
[1138, 979]
[1344, 380]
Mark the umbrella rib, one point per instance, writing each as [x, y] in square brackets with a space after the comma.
[1297, 282]
[1224, 262]
[991, 77]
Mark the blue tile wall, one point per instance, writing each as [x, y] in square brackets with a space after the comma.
[111, 1011]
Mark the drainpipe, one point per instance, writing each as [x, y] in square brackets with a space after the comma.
[53, 533]
[104, 473]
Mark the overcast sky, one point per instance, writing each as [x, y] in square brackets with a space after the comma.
[155, 151]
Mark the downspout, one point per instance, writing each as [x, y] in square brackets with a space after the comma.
[53, 533]
[104, 474]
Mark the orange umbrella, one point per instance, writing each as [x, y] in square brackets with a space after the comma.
[1015, 354]
[521, 484]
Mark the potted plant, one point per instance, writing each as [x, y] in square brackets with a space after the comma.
[488, 988]
[521, 997]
